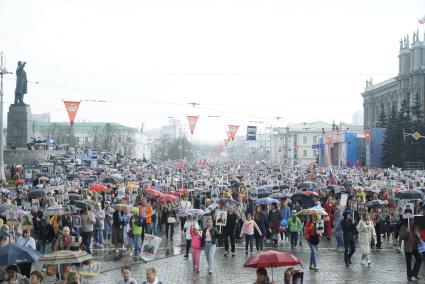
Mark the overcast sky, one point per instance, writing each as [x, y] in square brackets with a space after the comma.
[240, 60]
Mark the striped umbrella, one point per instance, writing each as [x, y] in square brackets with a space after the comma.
[64, 257]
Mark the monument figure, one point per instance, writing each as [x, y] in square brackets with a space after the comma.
[21, 83]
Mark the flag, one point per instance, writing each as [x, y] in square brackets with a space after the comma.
[192, 122]
[331, 176]
[233, 129]
[71, 109]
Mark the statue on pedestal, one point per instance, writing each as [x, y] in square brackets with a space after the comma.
[21, 84]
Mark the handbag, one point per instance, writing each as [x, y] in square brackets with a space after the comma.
[171, 220]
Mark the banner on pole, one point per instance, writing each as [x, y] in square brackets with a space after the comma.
[251, 133]
[233, 129]
[71, 109]
[192, 122]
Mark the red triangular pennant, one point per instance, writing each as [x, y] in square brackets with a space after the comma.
[192, 122]
[71, 109]
[232, 130]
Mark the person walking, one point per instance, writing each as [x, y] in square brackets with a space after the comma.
[366, 231]
[248, 230]
[229, 231]
[99, 226]
[274, 223]
[411, 240]
[107, 232]
[171, 219]
[209, 240]
[294, 227]
[186, 229]
[87, 222]
[348, 233]
[260, 217]
[313, 239]
[196, 248]
[285, 214]
[136, 224]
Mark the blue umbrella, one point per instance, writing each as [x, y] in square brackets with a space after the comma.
[11, 255]
[266, 201]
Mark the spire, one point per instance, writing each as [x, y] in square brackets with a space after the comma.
[401, 44]
[407, 41]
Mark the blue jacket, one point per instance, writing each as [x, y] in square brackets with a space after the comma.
[285, 213]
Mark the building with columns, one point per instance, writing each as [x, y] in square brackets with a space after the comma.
[409, 81]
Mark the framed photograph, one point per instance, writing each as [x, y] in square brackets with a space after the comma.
[150, 247]
[354, 205]
[26, 206]
[221, 217]
[76, 221]
[408, 210]
[11, 215]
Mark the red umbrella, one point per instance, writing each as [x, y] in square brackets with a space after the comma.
[176, 193]
[98, 188]
[152, 191]
[167, 197]
[271, 258]
[19, 181]
[310, 193]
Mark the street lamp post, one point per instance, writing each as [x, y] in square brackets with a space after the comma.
[3, 71]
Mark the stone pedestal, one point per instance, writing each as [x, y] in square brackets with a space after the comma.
[19, 126]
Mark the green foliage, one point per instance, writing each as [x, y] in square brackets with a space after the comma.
[393, 141]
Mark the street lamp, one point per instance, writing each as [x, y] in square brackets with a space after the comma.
[3, 71]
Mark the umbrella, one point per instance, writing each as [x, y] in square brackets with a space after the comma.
[266, 201]
[4, 191]
[4, 234]
[117, 176]
[109, 180]
[410, 194]
[192, 212]
[280, 195]
[43, 178]
[64, 257]
[19, 181]
[36, 193]
[56, 210]
[167, 197]
[310, 193]
[271, 258]
[98, 188]
[74, 196]
[348, 182]
[376, 203]
[318, 210]
[20, 213]
[226, 202]
[152, 191]
[12, 254]
[81, 204]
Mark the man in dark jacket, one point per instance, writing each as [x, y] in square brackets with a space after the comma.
[348, 233]
[229, 231]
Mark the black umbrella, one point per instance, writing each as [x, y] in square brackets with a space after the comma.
[109, 180]
[12, 254]
[81, 204]
[36, 193]
[376, 203]
[410, 194]
[304, 200]
[74, 196]
[4, 234]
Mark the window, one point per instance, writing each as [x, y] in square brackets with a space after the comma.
[314, 139]
[86, 140]
[305, 139]
[304, 153]
[314, 153]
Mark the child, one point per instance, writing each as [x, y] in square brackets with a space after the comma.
[248, 230]
[151, 276]
[126, 275]
[189, 222]
[196, 247]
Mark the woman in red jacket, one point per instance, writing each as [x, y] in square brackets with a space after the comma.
[330, 209]
[313, 239]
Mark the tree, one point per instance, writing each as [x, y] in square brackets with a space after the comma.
[393, 141]
[417, 147]
[405, 123]
[382, 119]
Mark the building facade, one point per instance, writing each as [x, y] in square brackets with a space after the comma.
[409, 82]
[104, 136]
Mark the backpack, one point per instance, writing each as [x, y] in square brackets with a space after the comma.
[139, 221]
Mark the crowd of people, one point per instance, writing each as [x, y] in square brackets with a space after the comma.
[214, 205]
